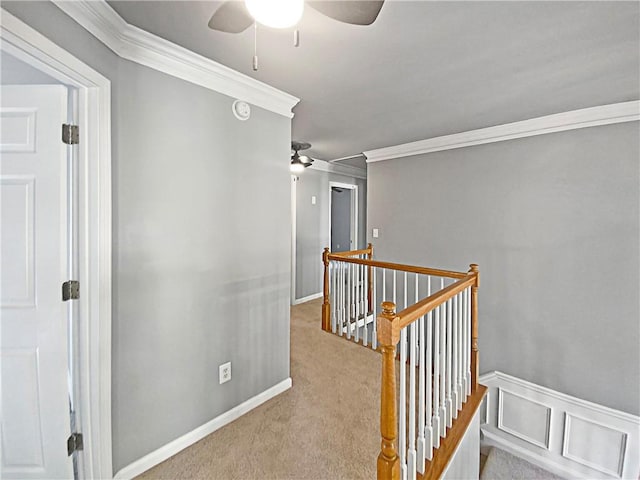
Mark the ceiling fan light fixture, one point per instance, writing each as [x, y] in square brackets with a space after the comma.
[276, 13]
[296, 165]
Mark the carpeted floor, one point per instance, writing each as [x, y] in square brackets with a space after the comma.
[325, 427]
[501, 465]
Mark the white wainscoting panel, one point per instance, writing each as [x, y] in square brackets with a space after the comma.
[565, 435]
[524, 418]
[578, 444]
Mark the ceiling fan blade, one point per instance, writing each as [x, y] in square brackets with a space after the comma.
[356, 12]
[231, 17]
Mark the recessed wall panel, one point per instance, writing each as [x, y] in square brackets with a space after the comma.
[605, 455]
[17, 287]
[524, 418]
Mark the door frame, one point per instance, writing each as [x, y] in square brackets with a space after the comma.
[94, 225]
[354, 211]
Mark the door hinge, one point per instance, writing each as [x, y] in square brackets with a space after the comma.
[74, 443]
[70, 290]
[70, 134]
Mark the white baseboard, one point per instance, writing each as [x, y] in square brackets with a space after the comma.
[308, 298]
[160, 455]
[565, 435]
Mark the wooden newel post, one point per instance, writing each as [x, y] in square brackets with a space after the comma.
[475, 354]
[388, 337]
[370, 280]
[326, 306]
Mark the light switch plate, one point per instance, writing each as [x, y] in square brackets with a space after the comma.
[313, 200]
[375, 233]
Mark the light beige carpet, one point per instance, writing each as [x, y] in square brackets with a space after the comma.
[325, 427]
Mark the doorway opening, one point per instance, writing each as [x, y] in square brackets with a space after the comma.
[343, 216]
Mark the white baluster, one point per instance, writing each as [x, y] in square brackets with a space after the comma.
[460, 384]
[357, 300]
[422, 374]
[349, 281]
[411, 455]
[365, 302]
[418, 343]
[402, 418]
[465, 350]
[468, 348]
[428, 434]
[394, 288]
[442, 413]
[384, 284]
[374, 306]
[339, 292]
[332, 294]
[456, 349]
[449, 404]
[437, 427]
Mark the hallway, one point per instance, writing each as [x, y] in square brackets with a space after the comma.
[325, 426]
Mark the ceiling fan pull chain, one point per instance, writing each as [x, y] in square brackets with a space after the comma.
[296, 38]
[255, 47]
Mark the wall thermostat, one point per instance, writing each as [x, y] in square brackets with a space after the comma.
[241, 110]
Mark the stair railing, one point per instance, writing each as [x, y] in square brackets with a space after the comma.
[435, 340]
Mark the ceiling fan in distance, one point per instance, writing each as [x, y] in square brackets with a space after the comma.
[236, 16]
[299, 162]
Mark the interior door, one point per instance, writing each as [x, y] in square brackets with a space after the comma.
[35, 419]
[341, 220]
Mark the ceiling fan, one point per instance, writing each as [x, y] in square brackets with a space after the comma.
[299, 162]
[236, 16]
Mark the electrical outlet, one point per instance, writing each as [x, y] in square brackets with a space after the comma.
[224, 373]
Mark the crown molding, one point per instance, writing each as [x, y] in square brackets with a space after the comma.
[347, 170]
[583, 118]
[140, 46]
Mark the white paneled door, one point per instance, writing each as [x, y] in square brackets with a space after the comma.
[33, 337]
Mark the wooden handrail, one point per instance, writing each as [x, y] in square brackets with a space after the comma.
[398, 266]
[414, 312]
[353, 253]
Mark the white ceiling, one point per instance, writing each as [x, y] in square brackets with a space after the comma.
[423, 69]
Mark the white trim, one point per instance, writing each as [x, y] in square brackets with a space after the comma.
[596, 408]
[556, 457]
[308, 298]
[586, 117]
[346, 170]
[137, 45]
[354, 211]
[294, 225]
[94, 156]
[179, 444]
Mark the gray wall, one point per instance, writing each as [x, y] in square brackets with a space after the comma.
[553, 222]
[201, 257]
[312, 225]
